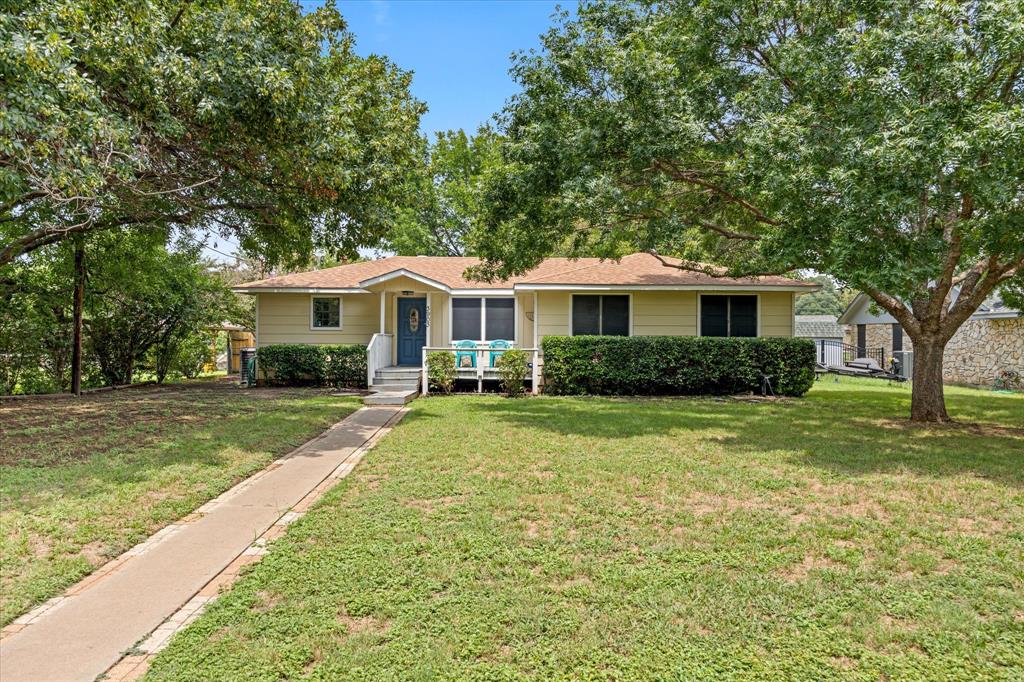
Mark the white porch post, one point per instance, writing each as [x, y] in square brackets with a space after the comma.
[382, 295]
[534, 388]
[424, 386]
[430, 299]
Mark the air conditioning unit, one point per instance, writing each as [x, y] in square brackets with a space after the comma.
[904, 363]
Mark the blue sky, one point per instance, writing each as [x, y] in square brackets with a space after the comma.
[458, 51]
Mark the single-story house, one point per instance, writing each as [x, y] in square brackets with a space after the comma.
[990, 341]
[402, 305]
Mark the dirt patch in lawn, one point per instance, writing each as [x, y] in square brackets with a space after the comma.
[972, 428]
[811, 562]
[356, 625]
[431, 505]
[265, 601]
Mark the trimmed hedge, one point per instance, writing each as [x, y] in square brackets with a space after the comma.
[296, 364]
[676, 365]
[441, 371]
[513, 368]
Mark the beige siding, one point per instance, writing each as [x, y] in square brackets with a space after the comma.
[777, 313]
[553, 317]
[403, 283]
[389, 313]
[524, 325]
[439, 319]
[665, 313]
[284, 318]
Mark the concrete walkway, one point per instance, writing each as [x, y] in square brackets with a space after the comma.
[86, 631]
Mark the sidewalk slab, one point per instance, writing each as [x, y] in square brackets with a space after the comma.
[84, 633]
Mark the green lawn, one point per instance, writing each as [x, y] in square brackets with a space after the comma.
[83, 480]
[550, 538]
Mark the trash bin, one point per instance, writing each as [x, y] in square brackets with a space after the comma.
[247, 367]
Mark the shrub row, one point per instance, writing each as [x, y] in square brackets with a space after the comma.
[295, 364]
[675, 365]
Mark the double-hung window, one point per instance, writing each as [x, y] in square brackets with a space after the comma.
[325, 312]
[600, 315]
[483, 319]
[728, 315]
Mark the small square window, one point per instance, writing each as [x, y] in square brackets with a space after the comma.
[326, 312]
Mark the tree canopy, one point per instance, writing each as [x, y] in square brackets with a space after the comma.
[247, 117]
[880, 142]
[145, 306]
[829, 300]
[445, 200]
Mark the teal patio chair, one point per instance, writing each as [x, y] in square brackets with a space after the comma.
[468, 354]
[503, 345]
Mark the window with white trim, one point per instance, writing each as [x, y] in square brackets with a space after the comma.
[600, 315]
[483, 319]
[728, 315]
[325, 312]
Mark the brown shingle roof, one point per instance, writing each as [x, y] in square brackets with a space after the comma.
[638, 269]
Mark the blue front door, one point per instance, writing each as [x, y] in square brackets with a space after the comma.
[412, 330]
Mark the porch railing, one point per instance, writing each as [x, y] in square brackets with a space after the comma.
[378, 355]
[483, 369]
[838, 354]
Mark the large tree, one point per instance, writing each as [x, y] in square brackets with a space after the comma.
[444, 202]
[246, 117]
[878, 141]
[143, 302]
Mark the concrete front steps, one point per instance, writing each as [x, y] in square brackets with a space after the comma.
[394, 386]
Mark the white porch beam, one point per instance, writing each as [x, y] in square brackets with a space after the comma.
[382, 306]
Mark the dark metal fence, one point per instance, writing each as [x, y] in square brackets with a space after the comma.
[838, 354]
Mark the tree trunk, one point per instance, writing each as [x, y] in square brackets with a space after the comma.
[76, 343]
[927, 402]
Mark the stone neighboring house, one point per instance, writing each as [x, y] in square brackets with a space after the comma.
[990, 341]
[818, 328]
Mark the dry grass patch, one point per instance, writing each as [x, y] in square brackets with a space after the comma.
[357, 625]
[811, 562]
[431, 505]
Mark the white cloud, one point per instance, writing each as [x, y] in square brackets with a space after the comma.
[381, 12]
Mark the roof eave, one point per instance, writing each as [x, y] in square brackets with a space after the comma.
[405, 272]
[999, 315]
[842, 319]
[299, 290]
[664, 287]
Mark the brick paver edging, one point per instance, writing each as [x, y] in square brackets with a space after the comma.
[135, 663]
